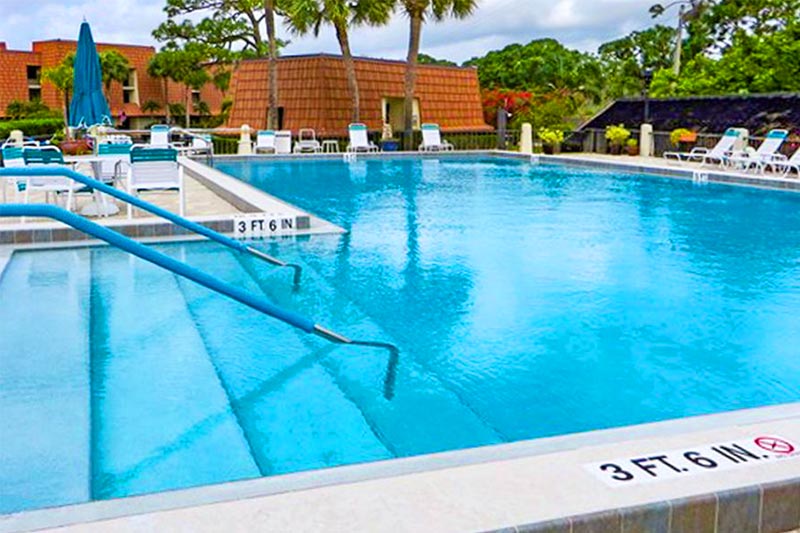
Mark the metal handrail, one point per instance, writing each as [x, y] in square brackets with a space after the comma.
[60, 171]
[182, 269]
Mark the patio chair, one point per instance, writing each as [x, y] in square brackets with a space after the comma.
[265, 142]
[155, 169]
[359, 142]
[115, 158]
[432, 140]
[45, 156]
[703, 155]
[764, 156]
[12, 158]
[159, 135]
[307, 142]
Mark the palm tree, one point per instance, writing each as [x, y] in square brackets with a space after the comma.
[304, 16]
[269, 18]
[417, 11]
[159, 67]
[61, 77]
[115, 67]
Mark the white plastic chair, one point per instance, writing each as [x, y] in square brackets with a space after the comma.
[159, 135]
[265, 141]
[114, 158]
[785, 165]
[764, 156]
[432, 140]
[155, 169]
[307, 142]
[717, 154]
[49, 156]
[359, 142]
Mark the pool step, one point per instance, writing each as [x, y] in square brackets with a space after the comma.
[423, 416]
[44, 380]
[291, 409]
[160, 417]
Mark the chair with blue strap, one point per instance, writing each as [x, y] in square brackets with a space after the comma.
[12, 157]
[155, 169]
[115, 158]
[46, 156]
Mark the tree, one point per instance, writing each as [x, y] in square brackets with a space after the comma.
[151, 106]
[160, 66]
[115, 67]
[417, 11]
[186, 66]
[625, 59]
[304, 16]
[231, 29]
[541, 66]
[226, 31]
[272, 67]
[61, 77]
[425, 59]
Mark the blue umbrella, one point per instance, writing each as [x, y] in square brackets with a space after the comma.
[89, 106]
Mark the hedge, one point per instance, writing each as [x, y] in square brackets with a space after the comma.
[31, 127]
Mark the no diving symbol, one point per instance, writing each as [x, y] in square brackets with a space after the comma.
[774, 445]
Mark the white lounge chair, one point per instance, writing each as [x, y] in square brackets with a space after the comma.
[265, 142]
[359, 142]
[159, 135]
[785, 165]
[49, 156]
[307, 142]
[764, 156]
[432, 140]
[717, 154]
[155, 169]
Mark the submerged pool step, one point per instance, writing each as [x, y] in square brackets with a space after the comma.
[291, 410]
[44, 380]
[423, 416]
[160, 417]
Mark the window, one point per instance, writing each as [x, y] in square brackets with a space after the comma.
[195, 96]
[130, 89]
[34, 75]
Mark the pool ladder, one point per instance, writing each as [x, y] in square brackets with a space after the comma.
[182, 269]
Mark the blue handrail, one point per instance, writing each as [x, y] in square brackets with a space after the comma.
[182, 269]
[61, 171]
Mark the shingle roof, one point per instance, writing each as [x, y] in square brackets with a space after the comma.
[313, 92]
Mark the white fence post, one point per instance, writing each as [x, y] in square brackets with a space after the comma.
[245, 144]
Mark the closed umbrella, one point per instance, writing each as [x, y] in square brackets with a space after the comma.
[89, 106]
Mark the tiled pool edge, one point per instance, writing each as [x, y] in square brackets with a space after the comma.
[357, 478]
[713, 174]
[764, 508]
[242, 196]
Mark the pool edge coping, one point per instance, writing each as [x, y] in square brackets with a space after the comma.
[387, 470]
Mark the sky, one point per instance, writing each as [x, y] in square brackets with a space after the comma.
[581, 24]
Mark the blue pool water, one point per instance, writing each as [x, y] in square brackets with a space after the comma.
[527, 302]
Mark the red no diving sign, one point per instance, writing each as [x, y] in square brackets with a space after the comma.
[775, 445]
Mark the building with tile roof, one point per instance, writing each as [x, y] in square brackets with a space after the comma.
[313, 93]
[20, 79]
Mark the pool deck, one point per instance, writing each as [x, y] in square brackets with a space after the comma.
[545, 485]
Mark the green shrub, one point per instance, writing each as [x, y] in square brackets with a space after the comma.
[617, 135]
[18, 109]
[676, 135]
[551, 136]
[31, 126]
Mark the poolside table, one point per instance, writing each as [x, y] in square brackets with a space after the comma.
[101, 206]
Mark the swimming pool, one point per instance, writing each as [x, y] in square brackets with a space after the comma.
[527, 301]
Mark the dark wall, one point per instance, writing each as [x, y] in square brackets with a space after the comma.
[713, 114]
